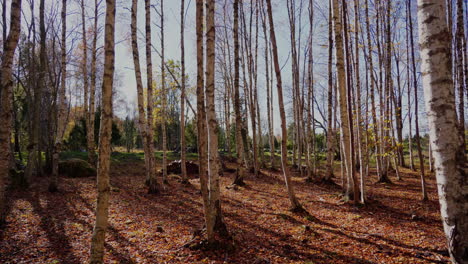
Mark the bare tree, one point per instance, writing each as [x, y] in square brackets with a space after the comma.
[206, 116]
[343, 95]
[239, 180]
[142, 122]
[103, 165]
[416, 114]
[182, 95]
[92, 87]
[61, 103]
[164, 97]
[461, 49]
[6, 94]
[215, 219]
[330, 133]
[447, 146]
[295, 205]
[153, 182]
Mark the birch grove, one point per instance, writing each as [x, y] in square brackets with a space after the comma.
[218, 130]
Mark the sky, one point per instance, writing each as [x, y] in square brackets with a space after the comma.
[124, 62]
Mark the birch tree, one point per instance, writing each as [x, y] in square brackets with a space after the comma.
[215, 218]
[447, 145]
[84, 68]
[92, 87]
[344, 113]
[207, 123]
[103, 166]
[461, 50]
[164, 97]
[6, 94]
[61, 103]
[416, 114]
[295, 205]
[239, 180]
[153, 182]
[330, 133]
[182, 95]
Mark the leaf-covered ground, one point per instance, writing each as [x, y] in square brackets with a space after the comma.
[395, 226]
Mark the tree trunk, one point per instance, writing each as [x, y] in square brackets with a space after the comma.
[239, 180]
[32, 82]
[397, 100]
[372, 93]
[84, 66]
[408, 76]
[416, 114]
[41, 87]
[461, 48]
[260, 151]
[201, 118]
[103, 187]
[344, 115]
[6, 95]
[310, 128]
[153, 185]
[360, 132]
[4, 22]
[353, 185]
[216, 219]
[271, 139]
[61, 122]
[295, 205]
[92, 88]
[164, 98]
[182, 96]
[447, 147]
[139, 84]
[249, 87]
[330, 133]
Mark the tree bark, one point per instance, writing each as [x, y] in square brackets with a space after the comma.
[153, 185]
[239, 180]
[408, 76]
[6, 94]
[61, 122]
[164, 98]
[310, 128]
[353, 185]
[142, 122]
[87, 114]
[103, 187]
[182, 96]
[216, 221]
[330, 133]
[447, 147]
[461, 48]
[201, 117]
[360, 132]
[416, 114]
[295, 205]
[92, 87]
[344, 114]
[268, 85]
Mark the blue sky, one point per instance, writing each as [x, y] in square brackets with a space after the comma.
[124, 62]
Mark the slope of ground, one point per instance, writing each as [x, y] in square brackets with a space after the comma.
[394, 227]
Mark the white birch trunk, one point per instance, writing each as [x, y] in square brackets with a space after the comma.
[6, 93]
[447, 148]
[103, 166]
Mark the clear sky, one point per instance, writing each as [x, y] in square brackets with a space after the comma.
[124, 62]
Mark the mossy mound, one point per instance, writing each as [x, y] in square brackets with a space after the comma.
[76, 168]
[175, 167]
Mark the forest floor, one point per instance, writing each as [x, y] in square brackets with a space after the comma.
[395, 226]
